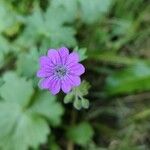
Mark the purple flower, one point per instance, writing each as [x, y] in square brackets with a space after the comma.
[60, 70]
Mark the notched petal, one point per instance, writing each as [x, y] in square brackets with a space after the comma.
[77, 69]
[66, 86]
[73, 58]
[63, 53]
[43, 73]
[74, 80]
[44, 83]
[54, 86]
[54, 56]
[44, 61]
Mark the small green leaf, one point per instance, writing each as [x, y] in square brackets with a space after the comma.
[77, 104]
[82, 53]
[68, 98]
[76, 96]
[83, 88]
[85, 103]
[81, 134]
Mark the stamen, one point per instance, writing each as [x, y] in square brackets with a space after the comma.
[60, 71]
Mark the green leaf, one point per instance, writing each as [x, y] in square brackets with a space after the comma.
[20, 129]
[92, 10]
[4, 45]
[35, 27]
[83, 88]
[62, 36]
[85, 103]
[9, 21]
[112, 58]
[132, 79]
[121, 26]
[47, 28]
[15, 89]
[68, 98]
[77, 104]
[80, 134]
[1, 82]
[82, 53]
[143, 115]
[57, 29]
[69, 6]
[1, 59]
[24, 118]
[4, 49]
[29, 67]
[47, 106]
[76, 96]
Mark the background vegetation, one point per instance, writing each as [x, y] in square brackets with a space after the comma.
[112, 38]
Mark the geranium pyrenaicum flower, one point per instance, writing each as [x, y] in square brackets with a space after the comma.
[60, 70]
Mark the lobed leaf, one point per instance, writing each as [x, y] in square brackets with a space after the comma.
[20, 129]
[16, 90]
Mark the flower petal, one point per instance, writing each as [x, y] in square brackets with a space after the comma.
[73, 58]
[74, 80]
[76, 69]
[54, 86]
[45, 61]
[66, 86]
[63, 53]
[44, 83]
[54, 56]
[43, 73]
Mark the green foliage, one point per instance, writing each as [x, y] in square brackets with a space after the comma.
[91, 11]
[114, 36]
[10, 94]
[8, 23]
[46, 105]
[4, 49]
[23, 114]
[27, 63]
[80, 134]
[69, 6]
[135, 78]
[142, 115]
[76, 96]
[88, 11]
[20, 129]
[82, 53]
[42, 28]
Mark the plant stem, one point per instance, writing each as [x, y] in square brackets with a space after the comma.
[70, 144]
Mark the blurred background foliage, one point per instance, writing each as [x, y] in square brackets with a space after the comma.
[113, 39]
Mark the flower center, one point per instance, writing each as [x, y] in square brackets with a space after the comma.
[60, 71]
